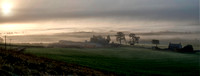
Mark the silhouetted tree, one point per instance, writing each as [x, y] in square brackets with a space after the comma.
[187, 48]
[120, 36]
[133, 39]
[137, 39]
[108, 39]
[155, 42]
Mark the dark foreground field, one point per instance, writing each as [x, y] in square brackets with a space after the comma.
[16, 63]
[126, 60]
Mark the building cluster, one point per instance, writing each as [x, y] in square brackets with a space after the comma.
[100, 39]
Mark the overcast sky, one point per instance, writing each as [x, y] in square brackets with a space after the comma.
[130, 15]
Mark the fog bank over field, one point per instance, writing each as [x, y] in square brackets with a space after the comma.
[164, 37]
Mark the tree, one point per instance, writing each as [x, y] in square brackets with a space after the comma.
[137, 39]
[155, 42]
[120, 36]
[108, 39]
[133, 39]
[187, 48]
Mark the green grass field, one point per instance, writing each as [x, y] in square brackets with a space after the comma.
[126, 60]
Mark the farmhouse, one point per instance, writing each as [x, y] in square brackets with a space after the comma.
[173, 46]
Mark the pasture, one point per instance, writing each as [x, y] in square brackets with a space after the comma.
[126, 60]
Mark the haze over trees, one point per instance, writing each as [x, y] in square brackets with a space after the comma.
[100, 39]
[156, 42]
[120, 36]
[133, 39]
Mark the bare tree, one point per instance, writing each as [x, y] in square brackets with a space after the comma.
[120, 36]
[108, 39]
[137, 39]
[133, 39]
[155, 42]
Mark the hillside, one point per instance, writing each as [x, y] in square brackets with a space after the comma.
[129, 61]
[16, 63]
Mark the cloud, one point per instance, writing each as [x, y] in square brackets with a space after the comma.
[28, 11]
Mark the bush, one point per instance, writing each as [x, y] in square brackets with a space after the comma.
[187, 48]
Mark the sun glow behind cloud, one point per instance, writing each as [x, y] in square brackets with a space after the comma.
[6, 8]
[16, 27]
[48, 16]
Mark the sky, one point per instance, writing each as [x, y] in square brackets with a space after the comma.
[55, 16]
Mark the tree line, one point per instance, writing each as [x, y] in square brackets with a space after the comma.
[120, 37]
